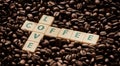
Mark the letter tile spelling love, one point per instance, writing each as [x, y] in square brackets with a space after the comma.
[44, 28]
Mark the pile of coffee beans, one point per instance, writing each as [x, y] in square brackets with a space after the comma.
[101, 17]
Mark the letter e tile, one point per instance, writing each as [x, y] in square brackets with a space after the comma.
[90, 39]
[77, 36]
[30, 46]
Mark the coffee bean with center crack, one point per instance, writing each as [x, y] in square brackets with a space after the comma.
[7, 43]
[74, 15]
[13, 63]
[17, 55]
[22, 12]
[82, 52]
[79, 5]
[22, 62]
[28, 8]
[97, 1]
[56, 14]
[99, 57]
[52, 62]
[24, 55]
[45, 43]
[103, 33]
[68, 57]
[30, 16]
[79, 63]
[55, 48]
[110, 40]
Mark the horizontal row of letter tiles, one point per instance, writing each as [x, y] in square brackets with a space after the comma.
[62, 33]
[35, 37]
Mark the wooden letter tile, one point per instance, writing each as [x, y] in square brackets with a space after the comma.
[46, 20]
[30, 46]
[41, 28]
[36, 37]
[52, 31]
[65, 33]
[90, 39]
[77, 36]
[28, 25]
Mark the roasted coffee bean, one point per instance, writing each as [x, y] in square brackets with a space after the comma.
[79, 5]
[13, 63]
[55, 48]
[68, 13]
[45, 43]
[68, 57]
[82, 52]
[22, 62]
[94, 14]
[42, 9]
[74, 50]
[64, 65]
[59, 64]
[17, 55]
[28, 8]
[19, 32]
[50, 3]
[99, 57]
[52, 62]
[106, 60]
[55, 9]
[1, 45]
[30, 16]
[24, 55]
[71, 45]
[107, 27]
[111, 56]
[7, 42]
[79, 63]
[110, 40]
[103, 33]
[26, 64]
[87, 13]
[22, 12]
[101, 46]
[74, 15]
[56, 14]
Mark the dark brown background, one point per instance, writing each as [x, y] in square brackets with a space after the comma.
[101, 17]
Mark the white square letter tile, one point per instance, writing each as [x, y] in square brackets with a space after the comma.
[77, 36]
[65, 33]
[36, 37]
[90, 39]
[28, 25]
[41, 28]
[46, 20]
[52, 31]
[30, 46]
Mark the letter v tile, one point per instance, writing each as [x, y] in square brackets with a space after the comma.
[35, 36]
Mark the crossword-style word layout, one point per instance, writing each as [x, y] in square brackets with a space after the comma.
[43, 28]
